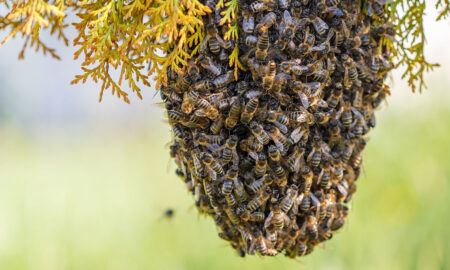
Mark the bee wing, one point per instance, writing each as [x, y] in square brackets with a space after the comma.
[304, 99]
[268, 219]
[297, 134]
[341, 189]
[281, 127]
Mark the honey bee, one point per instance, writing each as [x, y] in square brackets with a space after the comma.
[348, 150]
[251, 146]
[307, 176]
[259, 200]
[259, 133]
[276, 218]
[261, 47]
[350, 67]
[176, 117]
[233, 115]
[212, 164]
[279, 120]
[308, 42]
[262, 5]
[183, 84]
[319, 25]
[266, 22]
[198, 119]
[312, 227]
[212, 142]
[270, 76]
[204, 85]
[288, 200]
[261, 166]
[278, 138]
[246, 215]
[296, 9]
[293, 161]
[212, 35]
[305, 203]
[335, 133]
[377, 8]
[211, 111]
[325, 175]
[315, 155]
[249, 110]
[248, 22]
[251, 41]
[287, 26]
[216, 126]
[224, 80]
[347, 116]
[229, 152]
[322, 117]
[274, 154]
[230, 212]
[209, 65]
[261, 246]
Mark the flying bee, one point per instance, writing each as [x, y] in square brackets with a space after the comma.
[211, 111]
[208, 64]
[261, 47]
[258, 200]
[266, 22]
[248, 21]
[212, 164]
[229, 152]
[259, 133]
[249, 110]
[224, 80]
[319, 25]
[233, 115]
[261, 166]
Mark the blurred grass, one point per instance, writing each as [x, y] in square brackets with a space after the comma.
[95, 201]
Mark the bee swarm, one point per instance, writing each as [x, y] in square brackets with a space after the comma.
[273, 153]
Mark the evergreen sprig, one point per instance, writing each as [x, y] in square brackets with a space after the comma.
[158, 34]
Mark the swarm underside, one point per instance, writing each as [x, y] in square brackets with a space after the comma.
[273, 153]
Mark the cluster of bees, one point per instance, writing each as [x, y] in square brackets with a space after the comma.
[273, 153]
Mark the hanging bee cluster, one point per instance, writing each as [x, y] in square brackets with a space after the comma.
[272, 153]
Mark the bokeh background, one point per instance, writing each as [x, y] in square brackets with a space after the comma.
[84, 185]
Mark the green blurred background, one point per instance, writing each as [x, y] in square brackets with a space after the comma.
[85, 185]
